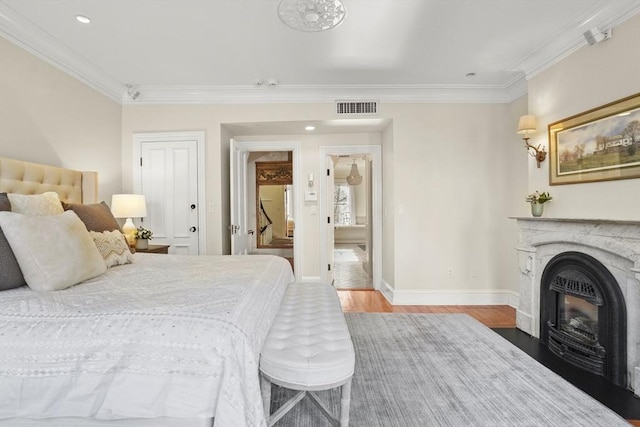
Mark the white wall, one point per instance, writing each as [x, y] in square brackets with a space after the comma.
[590, 77]
[47, 116]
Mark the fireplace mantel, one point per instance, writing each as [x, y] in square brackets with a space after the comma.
[616, 244]
[577, 220]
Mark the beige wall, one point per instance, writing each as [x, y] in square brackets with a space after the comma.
[47, 116]
[452, 173]
[453, 167]
[590, 77]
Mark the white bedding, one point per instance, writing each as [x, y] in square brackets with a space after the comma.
[166, 336]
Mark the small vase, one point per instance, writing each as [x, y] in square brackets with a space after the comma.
[142, 244]
[536, 209]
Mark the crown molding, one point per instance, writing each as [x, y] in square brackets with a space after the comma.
[321, 94]
[23, 33]
[566, 42]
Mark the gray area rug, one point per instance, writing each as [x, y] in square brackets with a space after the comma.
[447, 370]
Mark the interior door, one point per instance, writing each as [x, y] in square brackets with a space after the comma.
[240, 233]
[169, 182]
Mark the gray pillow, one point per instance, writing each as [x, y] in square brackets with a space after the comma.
[10, 273]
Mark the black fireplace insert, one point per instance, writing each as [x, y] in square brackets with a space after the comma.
[583, 316]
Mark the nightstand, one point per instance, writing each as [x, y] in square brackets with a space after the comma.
[155, 249]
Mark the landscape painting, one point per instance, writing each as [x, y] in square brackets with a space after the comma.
[598, 145]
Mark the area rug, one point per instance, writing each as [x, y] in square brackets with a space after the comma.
[447, 370]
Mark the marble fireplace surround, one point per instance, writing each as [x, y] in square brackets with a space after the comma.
[616, 244]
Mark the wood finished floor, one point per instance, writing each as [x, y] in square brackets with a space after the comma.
[370, 301]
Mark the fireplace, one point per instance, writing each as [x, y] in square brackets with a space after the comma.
[583, 315]
[579, 279]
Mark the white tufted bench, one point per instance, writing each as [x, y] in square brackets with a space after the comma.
[308, 349]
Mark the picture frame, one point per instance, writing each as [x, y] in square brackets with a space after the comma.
[601, 144]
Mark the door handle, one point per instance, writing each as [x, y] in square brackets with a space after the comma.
[251, 232]
[193, 206]
[193, 229]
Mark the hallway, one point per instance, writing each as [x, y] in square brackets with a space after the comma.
[348, 267]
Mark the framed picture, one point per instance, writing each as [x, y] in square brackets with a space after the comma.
[598, 145]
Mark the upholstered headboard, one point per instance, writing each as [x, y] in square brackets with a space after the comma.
[17, 176]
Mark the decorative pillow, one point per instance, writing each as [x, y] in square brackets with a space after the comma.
[10, 273]
[113, 247]
[96, 217]
[37, 204]
[54, 251]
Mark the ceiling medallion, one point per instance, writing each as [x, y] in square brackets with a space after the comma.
[311, 15]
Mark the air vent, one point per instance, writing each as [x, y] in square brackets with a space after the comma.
[357, 107]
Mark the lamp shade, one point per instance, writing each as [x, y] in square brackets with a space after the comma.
[527, 124]
[128, 206]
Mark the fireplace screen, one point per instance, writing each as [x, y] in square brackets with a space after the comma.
[578, 318]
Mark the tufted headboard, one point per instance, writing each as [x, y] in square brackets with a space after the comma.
[17, 176]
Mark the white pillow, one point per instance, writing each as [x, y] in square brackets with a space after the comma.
[54, 251]
[113, 247]
[36, 204]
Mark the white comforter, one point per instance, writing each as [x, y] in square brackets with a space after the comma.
[167, 336]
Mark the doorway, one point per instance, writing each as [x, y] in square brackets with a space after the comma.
[352, 238]
[352, 221]
[245, 212]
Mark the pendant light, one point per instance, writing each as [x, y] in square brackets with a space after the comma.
[354, 177]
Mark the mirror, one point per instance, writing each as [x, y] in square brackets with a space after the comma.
[274, 204]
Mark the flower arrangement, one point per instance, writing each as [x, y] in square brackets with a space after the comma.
[537, 197]
[143, 233]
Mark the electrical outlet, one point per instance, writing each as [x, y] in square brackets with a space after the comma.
[450, 273]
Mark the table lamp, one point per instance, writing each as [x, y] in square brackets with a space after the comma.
[129, 206]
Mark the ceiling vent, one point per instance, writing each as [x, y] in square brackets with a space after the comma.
[367, 108]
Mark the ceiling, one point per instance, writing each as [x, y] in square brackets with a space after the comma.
[388, 50]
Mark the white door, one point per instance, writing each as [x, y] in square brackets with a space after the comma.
[240, 233]
[330, 223]
[169, 182]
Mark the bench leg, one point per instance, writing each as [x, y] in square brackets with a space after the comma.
[345, 403]
[281, 412]
[265, 388]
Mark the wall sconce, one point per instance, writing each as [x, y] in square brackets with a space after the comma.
[526, 126]
[310, 179]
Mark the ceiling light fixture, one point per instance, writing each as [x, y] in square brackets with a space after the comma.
[310, 127]
[83, 19]
[311, 15]
[354, 177]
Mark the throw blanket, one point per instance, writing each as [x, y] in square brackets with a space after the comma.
[166, 336]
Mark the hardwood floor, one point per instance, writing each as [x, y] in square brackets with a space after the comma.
[370, 301]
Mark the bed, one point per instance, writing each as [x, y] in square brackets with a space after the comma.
[165, 340]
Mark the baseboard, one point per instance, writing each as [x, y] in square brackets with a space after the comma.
[462, 297]
[387, 291]
[310, 278]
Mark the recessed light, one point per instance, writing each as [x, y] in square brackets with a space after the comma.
[309, 127]
[470, 74]
[83, 19]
